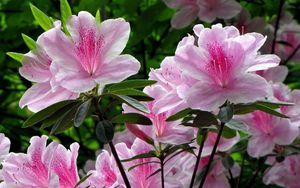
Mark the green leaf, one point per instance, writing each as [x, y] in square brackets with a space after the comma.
[226, 113]
[65, 122]
[98, 16]
[237, 125]
[201, 136]
[140, 164]
[228, 133]
[30, 43]
[47, 112]
[132, 118]
[228, 162]
[179, 115]
[132, 102]
[83, 180]
[43, 20]
[134, 93]
[105, 131]
[204, 119]
[82, 112]
[16, 56]
[269, 111]
[130, 84]
[66, 12]
[141, 156]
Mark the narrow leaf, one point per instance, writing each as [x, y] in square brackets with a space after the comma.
[83, 180]
[179, 115]
[82, 112]
[228, 133]
[105, 131]
[140, 164]
[132, 118]
[66, 12]
[141, 156]
[131, 84]
[16, 56]
[98, 16]
[30, 43]
[237, 125]
[134, 93]
[43, 20]
[132, 102]
[269, 111]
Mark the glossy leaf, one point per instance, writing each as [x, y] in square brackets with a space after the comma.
[141, 156]
[16, 56]
[130, 84]
[43, 20]
[132, 118]
[30, 43]
[237, 125]
[105, 131]
[66, 12]
[82, 112]
[132, 102]
[179, 115]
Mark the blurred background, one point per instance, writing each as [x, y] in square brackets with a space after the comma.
[152, 39]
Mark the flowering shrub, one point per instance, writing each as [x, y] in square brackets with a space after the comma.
[215, 113]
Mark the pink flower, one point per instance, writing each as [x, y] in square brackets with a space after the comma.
[245, 24]
[284, 174]
[107, 174]
[4, 146]
[91, 55]
[266, 131]
[205, 10]
[275, 74]
[43, 166]
[161, 130]
[222, 64]
[38, 67]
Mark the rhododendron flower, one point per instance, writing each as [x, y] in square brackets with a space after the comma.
[224, 64]
[161, 130]
[43, 166]
[245, 24]
[4, 146]
[91, 55]
[205, 10]
[38, 67]
[266, 131]
[107, 174]
[284, 174]
[275, 74]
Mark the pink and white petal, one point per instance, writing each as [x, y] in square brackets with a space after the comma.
[228, 9]
[263, 62]
[36, 67]
[178, 3]
[78, 25]
[40, 96]
[260, 145]
[115, 33]
[276, 74]
[247, 88]
[232, 31]
[188, 40]
[205, 96]
[197, 29]
[60, 49]
[206, 14]
[167, 102]
[78, 82]
[134, 129]
[216, 36]
[176, 134]
[284, 132]
[117, 70]
[4, 146]
[184, 17]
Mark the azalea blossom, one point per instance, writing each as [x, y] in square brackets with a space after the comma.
[284, 174]
[38, 67]
[275, 74]
[223, 63]
[205, 10]
[108, 175]
[245, 24]
[43, 166]
[267, 131]
[161, 130]
[4, 146]
[91, 54]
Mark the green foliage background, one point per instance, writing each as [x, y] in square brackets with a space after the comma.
[152, 38]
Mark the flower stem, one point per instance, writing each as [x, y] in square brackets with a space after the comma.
[198, 160]
[115, 154]
[162, 171]
[281, 3]
[212, 155]
[112, 147]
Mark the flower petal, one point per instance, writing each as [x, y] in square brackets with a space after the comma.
[184, 17]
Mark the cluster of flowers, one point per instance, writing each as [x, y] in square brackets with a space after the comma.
[209, 68]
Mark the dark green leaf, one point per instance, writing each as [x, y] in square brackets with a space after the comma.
[269, 111]
[228, 133]
[226, 113]
[141, 156]
[237, 125]
[204, 119]
[132, 102]
[130, 84]
[134, 93]
[140, 164]
[228, 162]
[65, 122]
[105, 131]
[47, 112]
[16, 56]
[179, 115]
[31, 44]
[82, 112]
[132, 118]
[43, 20]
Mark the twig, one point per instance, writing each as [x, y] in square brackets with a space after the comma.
[277, 25]
[291, 55]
